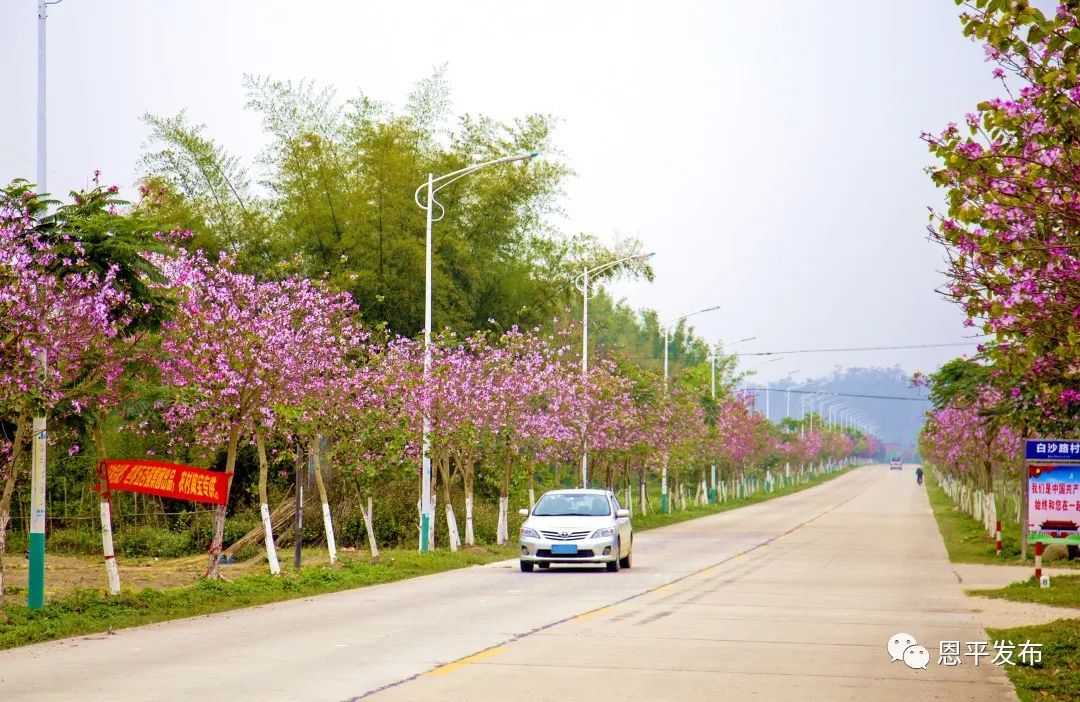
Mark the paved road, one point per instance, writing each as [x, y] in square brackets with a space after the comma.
[790, 599]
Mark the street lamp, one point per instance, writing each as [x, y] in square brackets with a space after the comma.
[771, 360]
[821, 409]
[433, 185]
[667, 342]
[35, 577]
[811, 399]
[787, 409]
[582, 283]
[713, 495]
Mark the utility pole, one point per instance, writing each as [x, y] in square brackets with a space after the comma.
[35, 590]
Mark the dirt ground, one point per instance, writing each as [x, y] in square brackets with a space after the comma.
[64, 574]
[996, 613]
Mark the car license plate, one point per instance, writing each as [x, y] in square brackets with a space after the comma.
[563, 548]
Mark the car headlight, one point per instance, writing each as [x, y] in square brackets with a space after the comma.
[606, 531]
[530, 533]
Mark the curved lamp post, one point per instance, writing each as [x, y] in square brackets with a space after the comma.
[433, 185]
[583, 283]
[713, 494]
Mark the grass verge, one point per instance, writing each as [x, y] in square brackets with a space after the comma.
[91, 611]
[1064, 591]
[964, 536]
[1057, 677]
[659, 519]
[967, 541]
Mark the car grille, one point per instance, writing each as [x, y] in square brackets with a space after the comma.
[545, 553]
[564, 535]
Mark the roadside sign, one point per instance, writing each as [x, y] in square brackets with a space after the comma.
[1053, 450]
[173, 480]
[1053, 491]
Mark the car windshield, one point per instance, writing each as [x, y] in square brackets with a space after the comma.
[571, 505]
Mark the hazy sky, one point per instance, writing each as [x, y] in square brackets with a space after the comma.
[767, 150]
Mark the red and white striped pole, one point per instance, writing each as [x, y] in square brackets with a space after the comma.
[997, 537]
[1038, 560]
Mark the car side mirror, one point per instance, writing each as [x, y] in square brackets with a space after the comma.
[622, 513]
[523, 512]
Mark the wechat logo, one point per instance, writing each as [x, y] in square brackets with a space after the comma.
[904, 647]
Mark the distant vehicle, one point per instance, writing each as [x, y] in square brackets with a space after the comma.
[576, 526]
[896, 464]
[1059, 528]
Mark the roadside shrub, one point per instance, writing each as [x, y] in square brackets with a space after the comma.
[151, 541]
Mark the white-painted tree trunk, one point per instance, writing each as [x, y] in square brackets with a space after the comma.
[367, 515]
[268, 532]
[642, 498]
[502, 532]
[629, 503]
[328, 526]
[532, 497]
[451, 525]
[264, 509]
[112, 570]
[470, 534]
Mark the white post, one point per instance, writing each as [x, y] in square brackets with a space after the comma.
[712, 378]
[426, 510]
[664, 499]
[585, 373]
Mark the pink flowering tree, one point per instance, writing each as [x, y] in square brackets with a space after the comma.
[1011, 229]
[78, 285]
[369, 424]
[236, 350]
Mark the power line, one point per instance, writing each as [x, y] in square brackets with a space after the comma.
[840, 394]
[859, 348]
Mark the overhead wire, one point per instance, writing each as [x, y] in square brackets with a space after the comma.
[859, 348]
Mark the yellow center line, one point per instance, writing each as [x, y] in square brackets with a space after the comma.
[663, 587]
[476, 657]
[590, 615]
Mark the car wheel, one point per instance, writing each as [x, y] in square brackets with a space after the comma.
[625, 562]
[544, 566]
[613, 566]
[526, 567]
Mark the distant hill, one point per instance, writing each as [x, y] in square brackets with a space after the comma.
[898, 421]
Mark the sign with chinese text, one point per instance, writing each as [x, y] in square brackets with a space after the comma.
[1054, 503]
[1053, 450]
[173, 480]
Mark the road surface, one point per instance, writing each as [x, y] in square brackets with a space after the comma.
[794, 598]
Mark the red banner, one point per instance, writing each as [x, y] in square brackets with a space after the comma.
[173, 480]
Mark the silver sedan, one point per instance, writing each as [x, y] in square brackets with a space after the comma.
[577, 526]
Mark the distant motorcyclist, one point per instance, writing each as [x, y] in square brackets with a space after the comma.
[918, 475]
